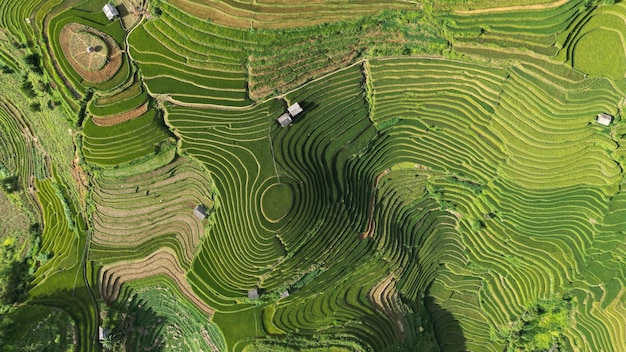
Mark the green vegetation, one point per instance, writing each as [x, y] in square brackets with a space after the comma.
[126, 142]
[445, 187]
[541, 326]
[196, 61]
[151, 315]
[276, 201]
[37, 328]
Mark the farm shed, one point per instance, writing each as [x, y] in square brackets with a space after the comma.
[284, 294]
[110, 11]
[200, 212]
[102, 333]
[294, 109]
[253, 294]
[604, 119]
[285, 120]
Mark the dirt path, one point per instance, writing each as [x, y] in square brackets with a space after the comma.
[513, 8]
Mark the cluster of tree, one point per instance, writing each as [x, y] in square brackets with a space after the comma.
[123, 321]
[541, 326]
[15, 271]
[33, 61]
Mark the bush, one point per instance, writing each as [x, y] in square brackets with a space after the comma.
[35, 106]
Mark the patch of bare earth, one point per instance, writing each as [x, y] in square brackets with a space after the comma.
[384, 297]
[113, 62]
[160, 262]
[111, 120]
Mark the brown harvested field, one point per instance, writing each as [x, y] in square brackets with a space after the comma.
[161, 262]
[384, 296]
[75, 38]
[112, 120]
[156, 205]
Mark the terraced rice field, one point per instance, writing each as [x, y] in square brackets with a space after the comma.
[21, 154]
[280, 14]
[446, 186]
[124, 142]
[136, 214]
[524, 188]
[595, 43]
[190, 61]
[58, 281]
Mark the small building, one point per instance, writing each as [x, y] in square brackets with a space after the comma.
[294, 109]
[284, 294]
[102, 333]
[110, 11]
[200, 212]
[285, 120]
[253, 294]
[90, 49]
[604, 119]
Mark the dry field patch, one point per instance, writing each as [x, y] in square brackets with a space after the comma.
[93, 54]
[111, 120]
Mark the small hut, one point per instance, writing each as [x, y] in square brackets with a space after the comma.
[200, 212]
[102, 333]
[294, 109]
[110, 11]
[604, 119]
[90, 49]
[284, 120]
[253, 294]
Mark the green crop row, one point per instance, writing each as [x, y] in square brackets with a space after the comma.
[538, 32]
[173, 321]
[162, 203]
[534, 205]
[58, 281]
[125, 142]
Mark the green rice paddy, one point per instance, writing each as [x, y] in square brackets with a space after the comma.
[445, 188]
[276, 201]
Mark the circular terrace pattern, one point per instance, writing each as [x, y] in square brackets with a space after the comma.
[276, 201]
[88, 50]
[93, 54]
